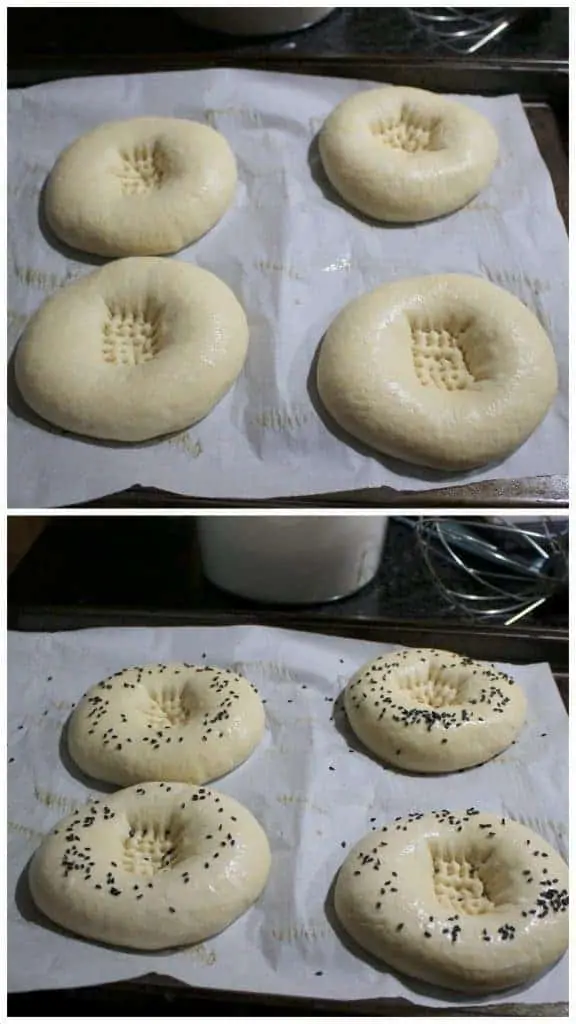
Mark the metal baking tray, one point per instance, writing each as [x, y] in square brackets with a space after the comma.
[166, 996]
[543, 88]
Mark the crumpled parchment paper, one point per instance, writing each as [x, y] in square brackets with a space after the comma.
[293, 256]
[309, 784]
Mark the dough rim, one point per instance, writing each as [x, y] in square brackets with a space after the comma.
[220, 731]
[118, 918]
[85, 207]
[437, 739]
[392, 186]
[468, 964]
[203, 343]
[367, 380]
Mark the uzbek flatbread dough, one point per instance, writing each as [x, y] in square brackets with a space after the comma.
[140, 187]
[447, 371]
[152, 866]
[426, 710]
[403, 154]
[174, 722]
[143, 347]
[465, 899]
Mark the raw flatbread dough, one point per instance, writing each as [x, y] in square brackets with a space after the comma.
[150, 867]
[402, 154]
[426, 710]
[174, 722]
[464, 899]
[447, 371]
[143, 347]
[140, 187]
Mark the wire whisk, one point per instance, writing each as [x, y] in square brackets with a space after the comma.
[492, 568]
[465, 29]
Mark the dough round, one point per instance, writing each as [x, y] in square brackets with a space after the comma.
[425, 710]
[464, 899]
[141, 187]
[152, 866]
[447, 371]
[175, 722]
[401, 154]
[143, 347]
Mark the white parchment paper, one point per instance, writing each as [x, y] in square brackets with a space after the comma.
[293, 256]
[310, 787]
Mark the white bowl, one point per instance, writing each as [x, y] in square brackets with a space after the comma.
[291, 559]
[254, 21]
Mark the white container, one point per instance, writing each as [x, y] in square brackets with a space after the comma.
[291, 559]
[254, 21]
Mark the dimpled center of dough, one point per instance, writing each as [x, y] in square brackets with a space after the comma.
[142, 170]
[408, 132]
[460, 883]
[439, 358]
[130, 337]
[167, 707]
[434, 688]
[150, 848]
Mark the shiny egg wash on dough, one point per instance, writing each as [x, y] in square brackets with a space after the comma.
[467, 900]
[430, 710]
[463, 883]
[147, 849]
[175, 721]
[152, 866]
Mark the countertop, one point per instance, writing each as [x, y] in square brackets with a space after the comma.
[77, 39]
[144, 563]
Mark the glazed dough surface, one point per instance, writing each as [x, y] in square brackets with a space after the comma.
[464, 899]
[151, 867]
[426, 710]
[447, 371]
[143, 347]
[174, 722]
[402, 154]
[140, 187]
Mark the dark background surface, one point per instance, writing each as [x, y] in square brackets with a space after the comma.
[543, 32]
[152, 563]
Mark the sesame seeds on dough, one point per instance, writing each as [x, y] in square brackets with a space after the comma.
[175, 722]
[464, 899]
[151, 867]
[427, 710]
[403, 154]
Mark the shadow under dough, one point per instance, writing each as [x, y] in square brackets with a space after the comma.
[415, 985]
[20, 408]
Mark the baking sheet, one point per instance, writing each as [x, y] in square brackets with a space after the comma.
[311, 789]
[294, 257]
